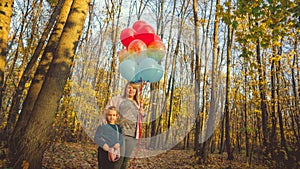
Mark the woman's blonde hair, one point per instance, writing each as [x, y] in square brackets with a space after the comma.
[135, 86]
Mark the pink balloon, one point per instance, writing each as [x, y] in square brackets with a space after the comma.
[157, 38]
[127, 36]
[145, 33]
[145, 29]
[138, 24]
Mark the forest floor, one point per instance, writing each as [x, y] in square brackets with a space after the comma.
[79, 155]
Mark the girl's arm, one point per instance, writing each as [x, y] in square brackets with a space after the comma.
[99, 139]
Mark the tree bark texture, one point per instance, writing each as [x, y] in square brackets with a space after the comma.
[6, 7]
[38, 132]
[40, 74]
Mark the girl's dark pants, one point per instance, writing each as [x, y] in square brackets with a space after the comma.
[104, 163]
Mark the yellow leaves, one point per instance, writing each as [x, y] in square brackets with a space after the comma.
[257, 111]
[277, 58]
[247, 164]
[27, 85]
[76, 155]
[277, 43]
[219, 8]
[25, 165]
[227, 4]
[202, 21]
[255, 4]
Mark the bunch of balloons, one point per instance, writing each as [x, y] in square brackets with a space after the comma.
[144, 49]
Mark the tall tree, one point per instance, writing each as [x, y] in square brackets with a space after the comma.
[39, 132]
[228, 77]
[6, 7]
[28, 73]
[262, 90]
[114, 10]
[183, 12]
[197, 77]
[213, 106]
[206, 27]
[17, 53]
[295, 87]
[154, 87]
[41, 71]
[246, 111]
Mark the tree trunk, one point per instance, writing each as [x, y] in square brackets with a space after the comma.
[38, 132]
[36, 10]
[114, 13]
[279, 110]
[273, 136]
[169, 115]
[262, 91]
[197, 79]
[12, 117]
[172, 77]
[154, 88]
[212, 111]
[228, 86]
[42, 69]
[221, 148]
[296, 88]
[246, 114]
[6, 7]
[28, 73]
[204, 47]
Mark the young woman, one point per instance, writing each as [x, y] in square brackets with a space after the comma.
[109, 138]
[129, 109]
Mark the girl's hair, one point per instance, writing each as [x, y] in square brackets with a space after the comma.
[135, 86]
[113, 108]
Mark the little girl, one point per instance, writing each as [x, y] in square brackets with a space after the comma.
[109, 138]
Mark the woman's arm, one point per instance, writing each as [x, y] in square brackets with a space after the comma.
[142, 112]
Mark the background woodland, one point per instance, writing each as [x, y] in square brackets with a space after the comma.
[231, 81]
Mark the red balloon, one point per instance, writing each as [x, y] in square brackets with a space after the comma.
[145, 33]
[137, 46]
[127, 36]
[138, 24]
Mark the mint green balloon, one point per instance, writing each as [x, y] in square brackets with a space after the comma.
[149, 70]
[155, 54]
[128, 69]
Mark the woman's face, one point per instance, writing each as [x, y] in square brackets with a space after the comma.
[130, 91]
